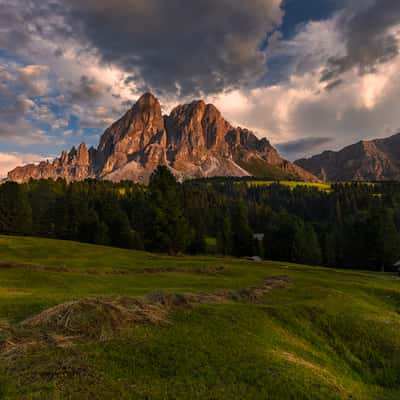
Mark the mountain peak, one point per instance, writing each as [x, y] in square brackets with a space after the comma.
[193, 141]
[366, 160]
[147, 104]
[147, 99]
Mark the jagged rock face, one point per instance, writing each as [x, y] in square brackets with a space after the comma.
[138, 136]
[194, 130]
[375, 160]
[74, 165]
[193, 141]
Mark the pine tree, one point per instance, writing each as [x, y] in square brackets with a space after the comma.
[242, 234]
[388, 240]
[310, 249]
[92, 230]
[169, 231]
[15, 209]
[224, 238]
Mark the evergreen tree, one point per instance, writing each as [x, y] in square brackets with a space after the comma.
[15, 209]
[92, 230]
[308, 249]
[121, 234]
[333, 246]
[224, 237]
[388, 240]
[242, 234]
[279, 241]
[169, 231]
[357, 224]
[42, 198]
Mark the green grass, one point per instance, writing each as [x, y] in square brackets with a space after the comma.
[330, 335]
[261, 169]
[325, 187]
[322, 186]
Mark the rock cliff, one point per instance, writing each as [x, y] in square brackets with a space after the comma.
[374, 160]
[193, 141]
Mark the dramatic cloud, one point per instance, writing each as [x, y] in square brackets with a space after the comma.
[13, 123]
[358, 106]
[27, 24]
[87, 90]
[33, 77]
[179, 46]
[314, 44]
[370, 33]
[298, 148]
[21, 114]
[69, 68]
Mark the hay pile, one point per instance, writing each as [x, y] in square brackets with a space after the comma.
[101, 318]
[95, 318]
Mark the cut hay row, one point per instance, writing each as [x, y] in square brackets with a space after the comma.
[101, 318]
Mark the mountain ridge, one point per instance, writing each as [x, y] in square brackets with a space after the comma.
[193, 141]
[366, 160]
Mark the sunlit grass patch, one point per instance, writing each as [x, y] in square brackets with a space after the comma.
[328, 335]
[325, 187]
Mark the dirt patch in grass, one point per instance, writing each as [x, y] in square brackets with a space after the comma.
[299, 361]
[101, 318]
[208, 270]
[33, 267]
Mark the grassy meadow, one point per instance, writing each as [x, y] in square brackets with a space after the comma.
[323, 186]
[328, 335]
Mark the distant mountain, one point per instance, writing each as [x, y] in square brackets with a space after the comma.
[193, 141]
[373, 160]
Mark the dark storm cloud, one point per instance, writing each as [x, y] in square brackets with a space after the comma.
[179, 46]
[15, 125]
[12, 36]
[86, 91]
[23, 21]
[365, 28]
[303, 146]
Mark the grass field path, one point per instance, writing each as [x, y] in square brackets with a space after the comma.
[328, 335]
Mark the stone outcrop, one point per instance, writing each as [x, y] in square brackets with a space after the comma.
[374, 160]
[75, 165]
[193, 141]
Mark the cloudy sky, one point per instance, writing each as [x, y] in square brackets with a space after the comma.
[309, 75]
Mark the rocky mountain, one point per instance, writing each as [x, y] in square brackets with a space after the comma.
[373, 160]
[193, 141]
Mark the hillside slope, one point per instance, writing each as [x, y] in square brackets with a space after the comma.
[194, 141]
[326, 334]
[374, 160]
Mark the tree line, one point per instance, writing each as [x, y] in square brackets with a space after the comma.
[354, 225]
